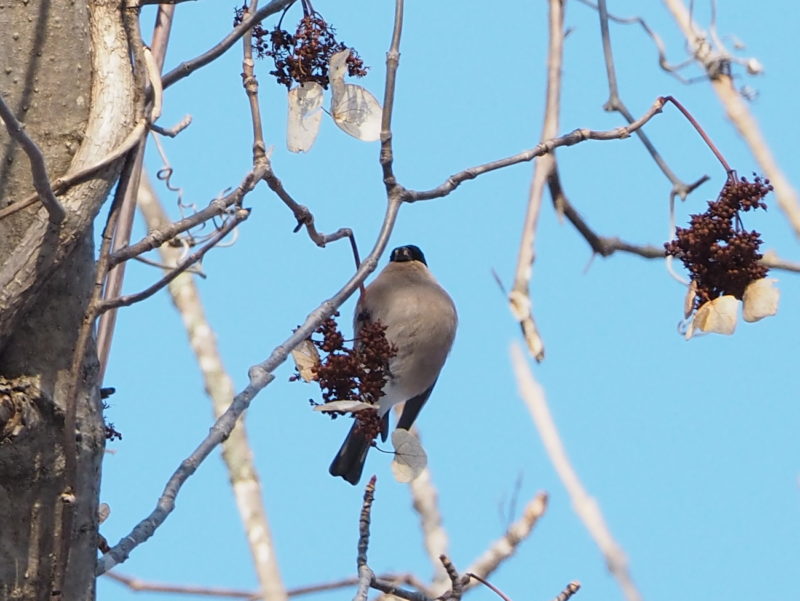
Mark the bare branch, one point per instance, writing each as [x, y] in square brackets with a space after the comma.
[572, 588]
[738, 112]
[426, 503]
[303, 214]
[144, 69]
[585, 506]
[140, 585]
[365, 575]
[175, 129]
[127, 300]
[519, 298]
[615, 103]
[392, 62]
[216, 207]
[188, 67]
[260, 377]
[41, 181]
[505, 546]
[575, 137]
[602, 245]
[236, 451]
[490, 586]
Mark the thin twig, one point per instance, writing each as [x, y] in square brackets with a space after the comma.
[173, 131]
[585, 506]
[701, 131]
[456, 581]
[392, 62]
[575, 137]
[572, 588]
[250, 84]
[505, 546]
[188, 67]
[216, 207]
[602, 245]
[365, 575]
[615, 103]
[139, 585]
[739, 114]
[490, 586]
[41, 181]
[124, 301]
[304, 216]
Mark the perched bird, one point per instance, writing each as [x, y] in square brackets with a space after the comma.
[420, 321]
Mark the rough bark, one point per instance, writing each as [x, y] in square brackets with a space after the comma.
[65, 72]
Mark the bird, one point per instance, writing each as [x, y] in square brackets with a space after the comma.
[420, 320]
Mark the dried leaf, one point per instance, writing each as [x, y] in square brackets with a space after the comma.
[357, 112]
[688, 302]
[337, 69]
[717, 316]
[305, 115]
[409, 456]
[354, 109]
[306, 360]
[345, 406]
[760, 299]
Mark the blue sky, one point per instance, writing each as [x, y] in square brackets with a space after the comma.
[690, 448]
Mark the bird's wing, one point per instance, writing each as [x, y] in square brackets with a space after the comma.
[412, 408]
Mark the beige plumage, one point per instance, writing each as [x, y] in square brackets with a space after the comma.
[420, 320]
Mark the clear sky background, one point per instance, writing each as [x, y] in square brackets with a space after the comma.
[690, 448]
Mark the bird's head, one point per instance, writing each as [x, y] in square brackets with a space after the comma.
[407, 253]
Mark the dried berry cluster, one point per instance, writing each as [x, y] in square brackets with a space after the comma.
[358, 373]
[721, 256]
[303, 56]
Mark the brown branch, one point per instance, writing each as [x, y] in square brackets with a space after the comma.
[737, 111]
[575, 137]
[124, 222]
[392, 62]
[304, 216]
[236, 450]
[139, 585]
[146, 2]
[365, 574]
[260, 376]
[490, 586]
[62, 184]
[173, 131]
[456, 581]
[41, 181]
[505, 546]
[584, 505]
[602, 245]
[572, 588]
[124, 301]
[188, 67]
[615, 103]
[519, 298]
[250, 84]
[216, 207]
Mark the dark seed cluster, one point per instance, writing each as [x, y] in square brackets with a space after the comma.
[721, 256]
[357, 373]
[303, 56]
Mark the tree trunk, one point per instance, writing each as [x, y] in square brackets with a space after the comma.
[66, 76]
